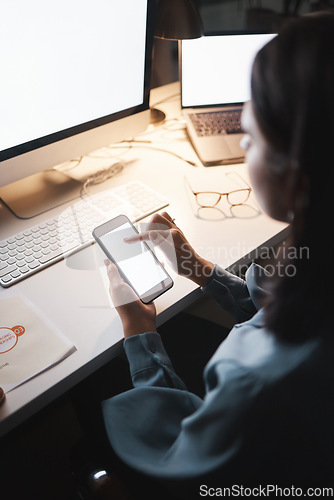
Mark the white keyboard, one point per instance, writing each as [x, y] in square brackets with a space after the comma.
[32, 250]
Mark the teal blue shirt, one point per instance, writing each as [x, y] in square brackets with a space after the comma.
[267, 415]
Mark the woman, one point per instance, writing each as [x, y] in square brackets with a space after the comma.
[267, 416]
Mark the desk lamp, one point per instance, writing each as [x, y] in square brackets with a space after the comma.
[175, 20]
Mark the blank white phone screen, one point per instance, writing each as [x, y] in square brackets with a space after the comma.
[134, 259]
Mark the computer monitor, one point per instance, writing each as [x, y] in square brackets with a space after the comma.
[216, 69]
[75, 77]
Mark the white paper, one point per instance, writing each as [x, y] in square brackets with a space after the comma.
[29, 342]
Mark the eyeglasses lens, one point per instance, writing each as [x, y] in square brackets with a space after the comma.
[207, 199]
[238, 197]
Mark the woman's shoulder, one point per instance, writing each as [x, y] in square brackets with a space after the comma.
[253, 348]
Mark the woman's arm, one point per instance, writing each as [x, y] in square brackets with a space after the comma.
[173, 435]
[231, 293]
[149, 363]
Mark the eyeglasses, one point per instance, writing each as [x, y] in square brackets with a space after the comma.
[209, 199]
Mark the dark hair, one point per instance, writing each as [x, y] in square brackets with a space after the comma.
[293, 102]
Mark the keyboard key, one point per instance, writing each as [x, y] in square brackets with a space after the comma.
[19, 236]
[50, 256]
[33, 264]
[20, 243]
[20, 263]
[6, 279]
[15, 274]
[7, 270]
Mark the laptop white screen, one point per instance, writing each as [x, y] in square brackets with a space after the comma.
[217, 69]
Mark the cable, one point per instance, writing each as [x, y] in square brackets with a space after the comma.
[148, 145]
[64, 168]
[102, 176]
[106, 173]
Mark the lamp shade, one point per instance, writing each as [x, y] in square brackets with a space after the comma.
[177, 20]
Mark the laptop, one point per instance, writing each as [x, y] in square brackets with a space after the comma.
[215, 82]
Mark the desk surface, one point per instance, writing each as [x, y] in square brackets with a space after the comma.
[72, 293]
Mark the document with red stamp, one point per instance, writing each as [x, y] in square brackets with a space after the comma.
[29, 342]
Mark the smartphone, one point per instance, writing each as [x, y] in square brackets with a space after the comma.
[136, 262]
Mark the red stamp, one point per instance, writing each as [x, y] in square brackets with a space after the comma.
[9, 337]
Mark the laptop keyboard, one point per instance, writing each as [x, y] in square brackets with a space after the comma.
[217, 123]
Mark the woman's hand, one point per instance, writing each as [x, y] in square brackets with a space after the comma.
[163, 232]
[136, 316]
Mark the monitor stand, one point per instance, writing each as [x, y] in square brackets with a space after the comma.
[39, 193]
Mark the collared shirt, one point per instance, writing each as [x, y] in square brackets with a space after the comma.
[267, 416]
